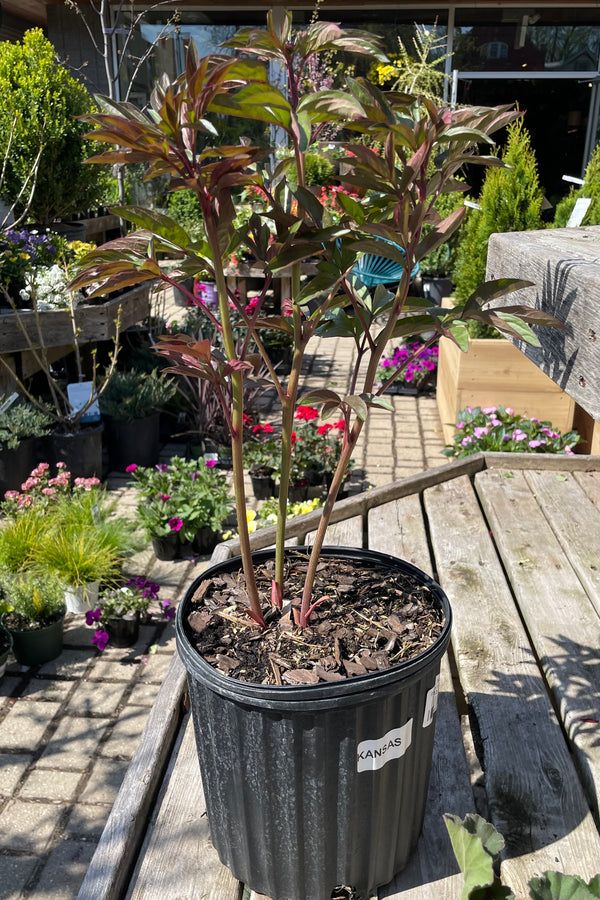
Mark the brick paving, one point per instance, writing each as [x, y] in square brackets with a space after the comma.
[69, 728]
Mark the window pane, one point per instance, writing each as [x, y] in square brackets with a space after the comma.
[520, 45]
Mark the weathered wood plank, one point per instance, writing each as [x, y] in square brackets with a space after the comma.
[563, 624]
[346, 533]
[115, 855]
[553, 462]
[535, 797]
[432, 873]
[574, 520]
[177, 858]
[589, 480]
[564, 264]
[398, 528]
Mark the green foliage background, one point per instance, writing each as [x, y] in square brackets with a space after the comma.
[39, 102]
[589, 188]
[510, 200]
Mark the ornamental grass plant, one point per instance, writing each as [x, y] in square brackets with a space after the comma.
[403, 151]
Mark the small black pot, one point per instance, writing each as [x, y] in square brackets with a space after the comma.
[263, 486]
[135, 441]
[80, 450]
[166, 547]
[16, 465]
[335, 773]
[39, 645]
[123, 631]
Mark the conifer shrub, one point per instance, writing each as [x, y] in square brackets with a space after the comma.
[510, 200]
[589, 188]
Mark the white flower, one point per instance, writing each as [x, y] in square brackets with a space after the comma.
[47, 286]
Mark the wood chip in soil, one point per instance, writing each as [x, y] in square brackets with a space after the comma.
[371, 618]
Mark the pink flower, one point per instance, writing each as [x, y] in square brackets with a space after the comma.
[131, 468]
[61, 465]
[479, 431]
[161, 467]
[210, 463]
[164, 497]
[48, 491]
[534, 444]
[11, 495]
[518, 435]
[175, 524]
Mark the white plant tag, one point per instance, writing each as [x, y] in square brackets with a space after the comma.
[431, 703]
[373, 755]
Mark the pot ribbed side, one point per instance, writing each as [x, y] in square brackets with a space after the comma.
[293, 808]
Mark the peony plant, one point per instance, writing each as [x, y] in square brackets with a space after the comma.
[402, 152]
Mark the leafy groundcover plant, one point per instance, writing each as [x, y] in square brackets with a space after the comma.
[402, 153]
[499, 428]
[477, 846]
[133, 599]
[182, 496]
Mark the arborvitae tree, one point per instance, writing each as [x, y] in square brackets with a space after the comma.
[510, 200]
[589, 188]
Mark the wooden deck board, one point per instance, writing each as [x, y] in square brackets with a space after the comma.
[177, 858]
[562, 623]
[535, 798]
[573, 518]
[397, 528]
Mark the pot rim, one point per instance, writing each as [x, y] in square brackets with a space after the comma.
[323, 694]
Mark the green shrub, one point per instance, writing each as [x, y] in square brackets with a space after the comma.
[589, 188]
[184, 207]
[21, 421]
[510, 200]
[40, 100]
[34, 599]
[135, 395]
[440, 262]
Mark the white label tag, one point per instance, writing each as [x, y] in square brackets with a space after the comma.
[431, 703]
[373, 755]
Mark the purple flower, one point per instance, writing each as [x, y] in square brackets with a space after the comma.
[480, 431]
[100, 639]
[534, 444]
[164, 497]
[466, 441]
[168, 610]
[518, 435]
[161, 467]
[151, 590]
[131, 468]
[175, 524]
[92, 616]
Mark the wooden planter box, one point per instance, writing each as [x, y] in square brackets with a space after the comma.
[492, 373]
[93, 323]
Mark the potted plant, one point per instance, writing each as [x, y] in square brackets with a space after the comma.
[495, 429]
[131, 406]
[5, 640]
[21, 424]
[318, 747]
[65, 528]
[117, 618]
[262, 454]
[36, 611]
[411, 366]
[182, 506]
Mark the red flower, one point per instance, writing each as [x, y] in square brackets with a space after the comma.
[307, 413]
[339, 424]
[323, 429]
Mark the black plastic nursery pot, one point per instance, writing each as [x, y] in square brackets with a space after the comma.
[310, 787]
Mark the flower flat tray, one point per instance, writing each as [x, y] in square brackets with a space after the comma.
[94, 322]
[513, 540]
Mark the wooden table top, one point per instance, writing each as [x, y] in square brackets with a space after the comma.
[514, 542]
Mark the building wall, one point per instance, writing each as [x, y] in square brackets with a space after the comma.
[74, 46]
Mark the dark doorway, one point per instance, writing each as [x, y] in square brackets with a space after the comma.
[556, 113]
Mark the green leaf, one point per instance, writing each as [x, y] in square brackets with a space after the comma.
[154, 221]
[357, 404]
[491, 290]
[475, 862]
[320, 396]
[337, 323]
[556, 886]
[382, 401]
[515, 327]
[459, 335]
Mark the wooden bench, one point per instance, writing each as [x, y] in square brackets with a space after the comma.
[513, 540]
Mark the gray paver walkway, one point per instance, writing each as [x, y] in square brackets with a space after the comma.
[68, 729]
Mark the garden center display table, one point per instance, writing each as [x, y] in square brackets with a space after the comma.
[513, 541]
